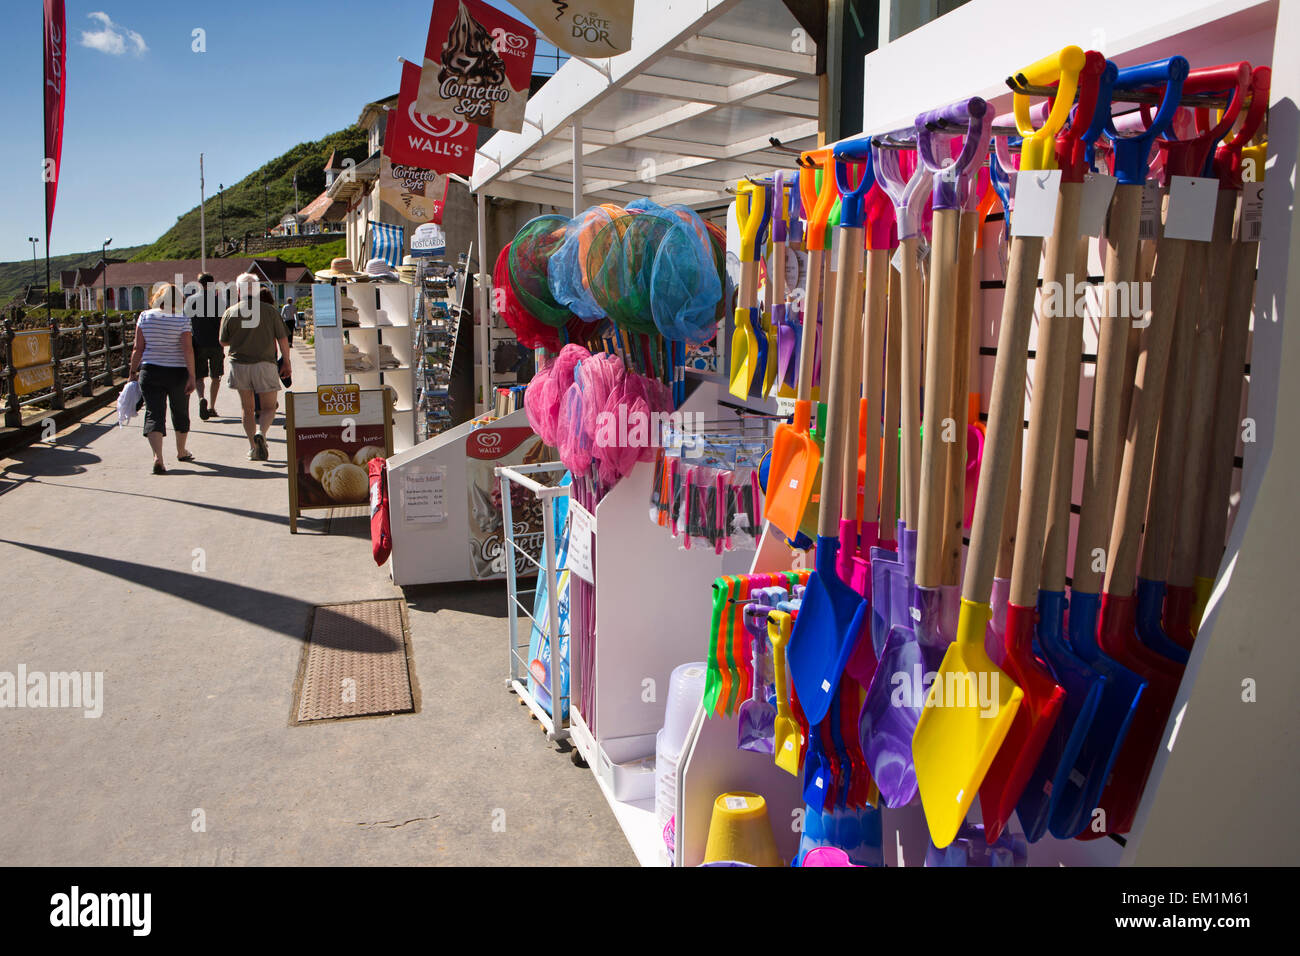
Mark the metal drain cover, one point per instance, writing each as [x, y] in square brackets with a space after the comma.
[355, 663]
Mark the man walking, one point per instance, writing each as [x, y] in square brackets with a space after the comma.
[209, 357]
[290, 316]
[253, 331]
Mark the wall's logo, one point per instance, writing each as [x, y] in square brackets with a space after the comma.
[489, 441]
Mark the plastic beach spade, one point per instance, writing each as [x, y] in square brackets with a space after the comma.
[829, 603]
[744, 343]
[957, 737]
[787, 743]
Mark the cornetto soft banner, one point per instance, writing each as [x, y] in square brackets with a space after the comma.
[56, 62]
[590, 28]
[477, 65]
[429, 142]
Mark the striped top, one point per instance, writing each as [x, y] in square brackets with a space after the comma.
[162, 338]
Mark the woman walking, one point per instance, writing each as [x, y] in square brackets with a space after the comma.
[163, 363]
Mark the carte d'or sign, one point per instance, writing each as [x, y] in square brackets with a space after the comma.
[478, 63]
[591, 28]
[338, 399]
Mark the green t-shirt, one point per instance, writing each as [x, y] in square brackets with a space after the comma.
[252, 339]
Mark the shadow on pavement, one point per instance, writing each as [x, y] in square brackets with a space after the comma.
[485, 598]
[225, 509]
[50, 460]
[277, 612]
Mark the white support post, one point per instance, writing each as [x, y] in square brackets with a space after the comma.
[577, 165]
[482, 301]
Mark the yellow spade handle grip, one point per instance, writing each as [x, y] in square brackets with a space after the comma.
[778, 635]
[1063, 67]
[749, 216]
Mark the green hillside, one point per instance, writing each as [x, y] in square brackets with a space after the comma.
[14, 276]
[244, 200]
[314, 258]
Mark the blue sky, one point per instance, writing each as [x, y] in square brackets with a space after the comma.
[142, 105]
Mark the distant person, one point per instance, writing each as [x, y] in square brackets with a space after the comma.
[253, 331]
[290, 316]
[162, 361]
[209, 356]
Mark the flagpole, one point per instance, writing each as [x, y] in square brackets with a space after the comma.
[57, 401]
[203, 229]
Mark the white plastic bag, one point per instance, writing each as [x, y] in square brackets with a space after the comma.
[128, 403]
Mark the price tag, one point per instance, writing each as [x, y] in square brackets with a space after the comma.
[580, 524]
[1097, 191]
[1035, 202]
[1251, 221]
[1149, 224]
[1191, 207]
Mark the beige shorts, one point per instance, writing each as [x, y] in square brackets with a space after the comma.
[257, 377]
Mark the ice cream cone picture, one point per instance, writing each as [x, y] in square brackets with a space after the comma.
[477, 65]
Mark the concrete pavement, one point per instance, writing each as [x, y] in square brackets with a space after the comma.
[188, 593]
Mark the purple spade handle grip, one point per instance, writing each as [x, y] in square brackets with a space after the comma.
[778, 206]
[794, 231]
[903, 192]
[952, 182]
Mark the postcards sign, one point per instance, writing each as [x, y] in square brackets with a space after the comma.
[477, 65]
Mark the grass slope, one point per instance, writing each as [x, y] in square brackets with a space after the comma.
[244, 200]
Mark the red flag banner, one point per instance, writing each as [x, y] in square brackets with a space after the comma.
[478, 63]
[56, 60]
[429, 142]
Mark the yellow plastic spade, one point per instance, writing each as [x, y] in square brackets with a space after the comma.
[787, 743]
[744, 345]
[972, 703]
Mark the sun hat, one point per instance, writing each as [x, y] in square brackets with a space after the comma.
[341, 268]
[379, 269]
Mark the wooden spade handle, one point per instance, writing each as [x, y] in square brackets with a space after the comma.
[910, 381]
[954, 507]
[1006, 410]
[1144, 419]
[1227, 407]
[1056, 542]
[1011, 512]
[1171, 441]
[893, 396]
[851, 316]
[1045, 417]
[874, 317]
[1104, 430]
[830, 289]
[939, 354]
[1200, 388]
[835, 378]
[808, 337]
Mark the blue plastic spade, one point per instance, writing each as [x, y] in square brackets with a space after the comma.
[817, 647]
[1150, 626]
[1083, 691]
[1082, 783]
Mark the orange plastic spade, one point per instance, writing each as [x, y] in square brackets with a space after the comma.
[795, 458]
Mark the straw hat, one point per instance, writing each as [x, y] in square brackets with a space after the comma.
[341, 268]
[407, 270]
[379, 269]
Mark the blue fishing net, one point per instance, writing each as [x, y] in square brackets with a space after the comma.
[566, 270]
[685, 281]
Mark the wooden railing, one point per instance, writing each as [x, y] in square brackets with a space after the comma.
[77, 372]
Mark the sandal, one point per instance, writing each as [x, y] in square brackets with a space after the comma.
[188, 456]
[159, 468]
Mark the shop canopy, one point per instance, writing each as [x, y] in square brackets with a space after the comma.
[684, 113]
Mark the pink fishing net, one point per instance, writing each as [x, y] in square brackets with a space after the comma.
[554, 383]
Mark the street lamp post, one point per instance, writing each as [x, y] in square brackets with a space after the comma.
[103, 259]
[33, 240]
[266, 224]
[221, 192]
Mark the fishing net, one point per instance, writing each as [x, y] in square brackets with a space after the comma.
[566, 269]
[574, 453]
[531, 333]
[529, 259]
[685, 288]
[555, 381]
[620, 263]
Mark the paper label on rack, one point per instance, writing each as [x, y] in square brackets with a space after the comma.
[1250, 224]
[896, 260]
[423, 496]
[1035, 202]
[580, 524]
[1095, 202]
[1191, 207]
[1149, 224]
[736, 803]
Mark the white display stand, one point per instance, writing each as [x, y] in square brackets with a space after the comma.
[384, 310]
[429, 552]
